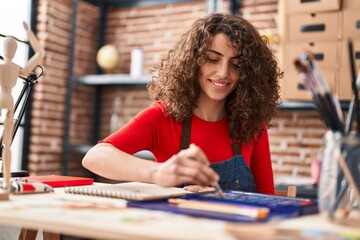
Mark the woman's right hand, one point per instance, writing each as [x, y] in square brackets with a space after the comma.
[189, 166]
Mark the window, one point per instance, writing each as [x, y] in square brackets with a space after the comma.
[12, 14]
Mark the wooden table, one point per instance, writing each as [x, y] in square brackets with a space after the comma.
[106, 218]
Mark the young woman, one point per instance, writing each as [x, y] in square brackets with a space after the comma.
[216, 92]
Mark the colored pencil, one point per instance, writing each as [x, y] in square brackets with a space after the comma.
[248, 211]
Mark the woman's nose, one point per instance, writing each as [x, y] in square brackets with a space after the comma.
[223, 70]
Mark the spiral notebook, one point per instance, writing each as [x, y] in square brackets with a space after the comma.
[135, 191]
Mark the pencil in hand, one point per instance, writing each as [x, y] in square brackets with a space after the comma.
[218, 190]
[203, 157]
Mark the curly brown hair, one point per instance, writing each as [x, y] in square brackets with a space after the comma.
[256, 97]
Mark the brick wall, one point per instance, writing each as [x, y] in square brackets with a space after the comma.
[154, 29]
[295, 138]
[48, 113]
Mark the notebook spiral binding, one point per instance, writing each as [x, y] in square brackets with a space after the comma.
[104, 192]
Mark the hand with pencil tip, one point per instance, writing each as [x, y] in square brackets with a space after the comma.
[188, 166]
[215, 93]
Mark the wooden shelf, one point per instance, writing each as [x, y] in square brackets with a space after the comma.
[80, 149]
[306, 105]
[296, 105]
[112, 80]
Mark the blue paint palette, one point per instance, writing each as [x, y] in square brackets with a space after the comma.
[280, 207]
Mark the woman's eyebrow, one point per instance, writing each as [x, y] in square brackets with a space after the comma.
[220, 54]
[216, 52]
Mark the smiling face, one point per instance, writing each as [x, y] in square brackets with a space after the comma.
[219, 74]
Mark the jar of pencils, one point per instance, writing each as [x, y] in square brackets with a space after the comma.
[348, 184]
[338, 193]
[329, 170]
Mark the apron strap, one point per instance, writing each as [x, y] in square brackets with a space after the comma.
[185, 135]
[235, 146]
[185, 138]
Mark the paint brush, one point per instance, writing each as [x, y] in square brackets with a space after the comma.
[354, 85]
[331, 101]
[218, 190]
[326, 104]
[217, 187]
[352, 109]
[313, 90]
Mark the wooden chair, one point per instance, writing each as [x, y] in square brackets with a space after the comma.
[30, 234]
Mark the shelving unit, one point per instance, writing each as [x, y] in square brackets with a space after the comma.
[112, 80]
[323, 28]
[306, 105]
[118, 80]
[97, 81]
[103, 80]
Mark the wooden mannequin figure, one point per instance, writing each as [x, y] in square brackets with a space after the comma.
[9, 72]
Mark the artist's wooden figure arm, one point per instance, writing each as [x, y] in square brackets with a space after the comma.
[37, 57]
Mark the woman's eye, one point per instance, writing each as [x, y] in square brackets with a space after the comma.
[212, 60]
[237, 66]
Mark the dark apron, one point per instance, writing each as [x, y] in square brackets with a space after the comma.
[234, 173]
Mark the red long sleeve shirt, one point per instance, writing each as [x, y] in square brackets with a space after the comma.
[152, 130]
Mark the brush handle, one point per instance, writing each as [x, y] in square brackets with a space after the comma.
[353, 83]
